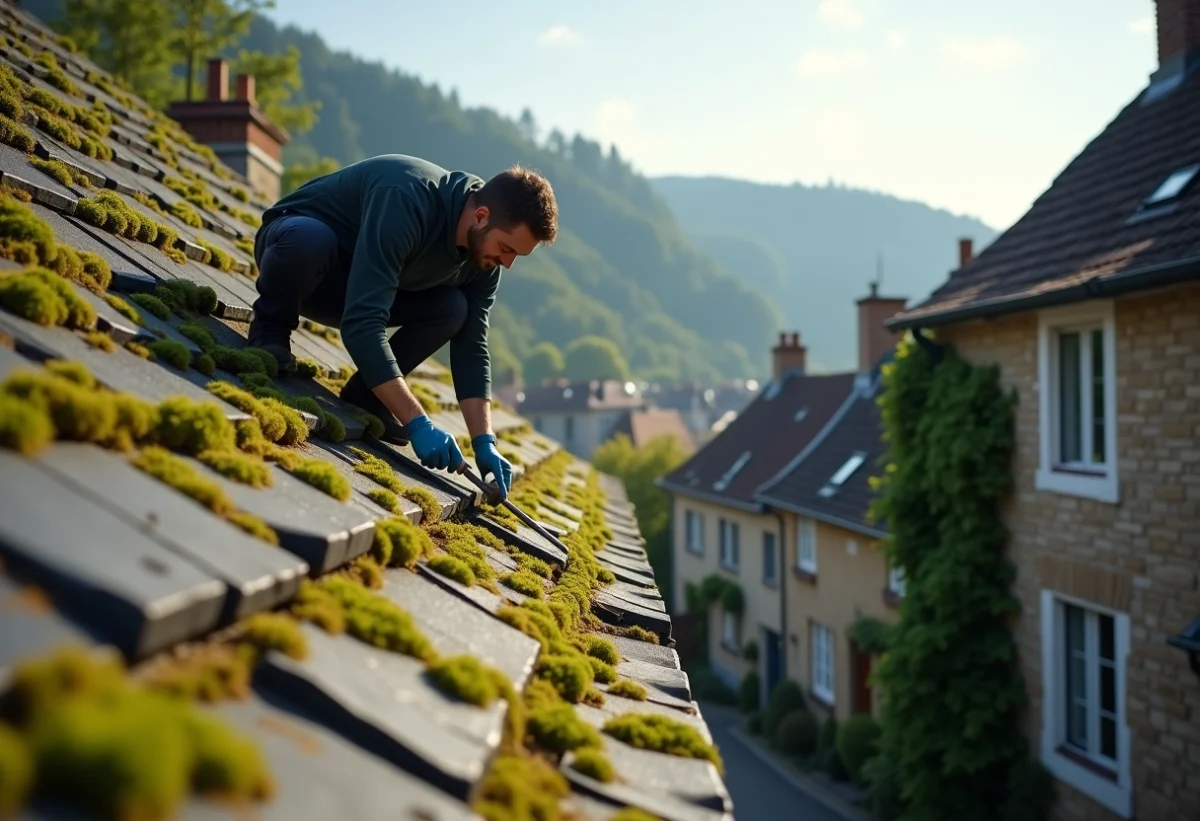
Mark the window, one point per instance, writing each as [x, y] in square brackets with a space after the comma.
[844, 472]
[694, 532]
[770, 569]
[1077, 403]
[806, 546]
[821, 641]
[1085, 741]
[729, 631]
[1172, 187]
[570, 426]
[896, 581]
[729, 545]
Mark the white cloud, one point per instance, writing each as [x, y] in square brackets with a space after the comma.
[839, 13]
[996, 53]
[559, 36]
[828, 63]
[896, 40]
[1144, 25]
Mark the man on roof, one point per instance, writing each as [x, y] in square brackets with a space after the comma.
[398, 241]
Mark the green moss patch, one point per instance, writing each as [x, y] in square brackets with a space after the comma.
[594, 764]
[152, 305]
[375, 620]
[601, 648]
[628, 689]
[385, 499]
[109, 211]
[557, 729]
[520, 787]
[109, 748]
[239, 467]
[570, 675]
[431, 511]
[324, 477]
[601, 672]
[274, 631]
[662, 734]
[525, 583]
[452, 568]
[43, 297]
[467, 678]
[194, 427]
[314, 605]
[174, 353]
[400, 543]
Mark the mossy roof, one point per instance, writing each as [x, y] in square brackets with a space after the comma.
[95, 551]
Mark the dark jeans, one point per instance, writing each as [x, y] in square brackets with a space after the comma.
[301, 273]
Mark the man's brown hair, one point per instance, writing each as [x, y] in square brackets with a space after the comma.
[520, 196]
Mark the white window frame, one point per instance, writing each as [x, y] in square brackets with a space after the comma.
[729, 630]
[1093, 482]
[897, 583]
[693, 538]
[821, 669]
[1116, 795]
[806, 546]
[730, 544]
[770, 574]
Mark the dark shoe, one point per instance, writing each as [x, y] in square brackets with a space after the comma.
[275, 341]
[355, 392]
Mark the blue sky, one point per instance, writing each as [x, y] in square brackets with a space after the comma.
[973, 107]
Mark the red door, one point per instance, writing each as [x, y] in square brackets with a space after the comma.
[862, 673]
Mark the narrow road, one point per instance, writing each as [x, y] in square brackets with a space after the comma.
[759, 793]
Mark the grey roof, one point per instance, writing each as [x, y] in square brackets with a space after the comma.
[96, 552]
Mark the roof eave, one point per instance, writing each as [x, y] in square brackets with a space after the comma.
[820, 516]
[1129, 282]
[711, 498]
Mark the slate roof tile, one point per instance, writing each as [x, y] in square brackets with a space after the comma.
[808, 488]
[776, 425]
[1083, 227]
[93, 550]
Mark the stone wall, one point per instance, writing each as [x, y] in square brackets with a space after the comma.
[1140, 556]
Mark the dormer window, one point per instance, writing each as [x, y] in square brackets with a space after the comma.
[1164, 199]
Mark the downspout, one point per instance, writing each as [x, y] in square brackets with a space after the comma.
[783, 622]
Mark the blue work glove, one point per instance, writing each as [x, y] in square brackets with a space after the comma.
[489, 460]
[434, 447]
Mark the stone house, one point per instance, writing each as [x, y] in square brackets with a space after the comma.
[720, 530]
[1090, 304]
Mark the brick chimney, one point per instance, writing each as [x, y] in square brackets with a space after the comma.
[788, 355]
[966, 251]
[1178, 29]
[874, 339]
[240, 134]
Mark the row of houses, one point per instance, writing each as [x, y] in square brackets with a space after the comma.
[1090, 306]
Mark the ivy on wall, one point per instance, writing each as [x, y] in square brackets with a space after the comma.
[952, 745]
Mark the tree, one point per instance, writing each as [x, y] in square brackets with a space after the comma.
[544, 362]
[639, 469]
[205, 27]
[528, 126]
[277, 79]
[299, 173]
[127, 38]
[594, 357]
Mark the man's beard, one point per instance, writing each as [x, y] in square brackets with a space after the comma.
[475, 237]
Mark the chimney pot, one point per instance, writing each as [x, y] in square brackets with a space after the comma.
[966, 251]
[789, 355]
[783, 339]
[245, 88]
[795, 340]
[218, 81]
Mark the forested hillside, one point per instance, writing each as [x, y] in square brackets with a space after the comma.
[818, 247]
[622, 268]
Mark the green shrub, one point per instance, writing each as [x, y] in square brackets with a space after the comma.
[785, 698]
[748, 695]
[796, 734]
[856, 742]
[754, 723]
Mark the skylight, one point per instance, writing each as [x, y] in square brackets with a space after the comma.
[800, 415]
[772, 390]
[724, 481]
[844, 473]
[1173, 186]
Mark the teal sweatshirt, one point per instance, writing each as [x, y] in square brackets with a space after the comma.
[395, 218]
